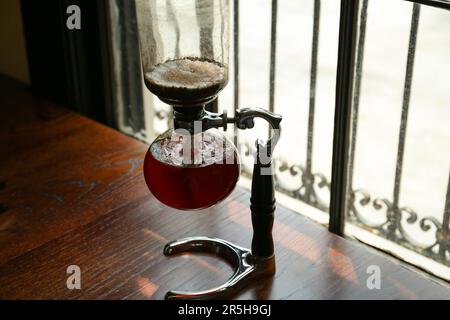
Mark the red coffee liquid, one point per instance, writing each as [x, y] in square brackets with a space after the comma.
[190, 188]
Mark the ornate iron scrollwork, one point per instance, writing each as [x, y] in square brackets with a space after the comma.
[393, 227]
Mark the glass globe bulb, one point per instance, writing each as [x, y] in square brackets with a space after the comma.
[191, 172]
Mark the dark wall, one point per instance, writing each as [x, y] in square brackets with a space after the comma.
[68, 66]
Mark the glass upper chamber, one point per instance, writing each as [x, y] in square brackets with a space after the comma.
[184, 48]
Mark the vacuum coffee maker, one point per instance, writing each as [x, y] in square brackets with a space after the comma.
[184, 49]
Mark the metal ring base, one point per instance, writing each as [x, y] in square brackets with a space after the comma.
[247, 268]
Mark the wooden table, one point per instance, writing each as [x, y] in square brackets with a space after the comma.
[72, 193]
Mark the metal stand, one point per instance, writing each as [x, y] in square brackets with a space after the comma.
[260, 260]
[246, 267]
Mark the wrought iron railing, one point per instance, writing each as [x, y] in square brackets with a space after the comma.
[392, 228]
[346, 202]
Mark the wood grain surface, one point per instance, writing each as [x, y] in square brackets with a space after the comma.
[72, 193]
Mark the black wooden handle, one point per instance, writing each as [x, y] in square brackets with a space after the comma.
[262, 207]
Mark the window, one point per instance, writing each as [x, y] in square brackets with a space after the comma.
[381, 161]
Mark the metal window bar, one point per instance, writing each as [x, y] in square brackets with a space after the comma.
[236, 63]
[309, 194]
[342, 116]
[132, 97]
[351, 208]
[443, 233]
[395, 218]
[443, 4]
[273, 55]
